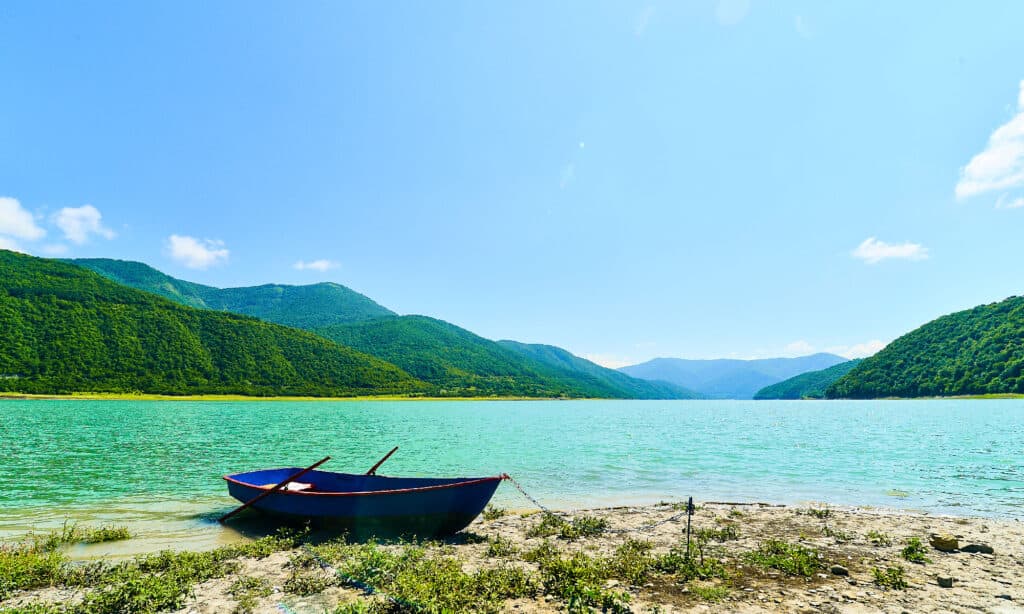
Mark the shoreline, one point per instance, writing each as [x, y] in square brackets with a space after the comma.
[126, 396]
[844, 547]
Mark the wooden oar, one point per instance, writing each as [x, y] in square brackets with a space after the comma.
[373, 470]
[281, 485]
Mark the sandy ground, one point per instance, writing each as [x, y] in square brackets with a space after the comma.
[981, 582]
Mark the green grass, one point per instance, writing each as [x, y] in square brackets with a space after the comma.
[500, 547]
[841, 537]
[246, 591]
[791, 559]
[493, 513]
[726, 532]
[818, 512]
[915, 552]
[583, 526]
[879, 539]
[890, 577]
[144, 585]
[709, 593]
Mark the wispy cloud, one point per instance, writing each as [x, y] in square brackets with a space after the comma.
[1007, 202]
[316, 265]
[858, 350]
[798, 348]
[731, 12]
[610, 361]
[17, 222]
[568, 175]
[79, 223]
[10, 244]
[1000, 166]
[643, 20]
[803, 26]
[873, 251]
[197, 253]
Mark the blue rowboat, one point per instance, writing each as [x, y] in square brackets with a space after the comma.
[368, 505]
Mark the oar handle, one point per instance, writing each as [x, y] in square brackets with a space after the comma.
[279, 486]
[373, 470]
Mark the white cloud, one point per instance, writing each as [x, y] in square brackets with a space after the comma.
[77, 223]
[642, 21]
[873, 251]
[1001, 164]
[196, 253]
[54, 249]
[11, 244]
[858, 350]
[610, 361]
[17, 222]
[1005, 202]
[316, 265]
[798, 348]
[731, 12]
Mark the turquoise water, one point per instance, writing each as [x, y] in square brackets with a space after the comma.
[158, 464]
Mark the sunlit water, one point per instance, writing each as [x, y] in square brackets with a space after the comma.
[156, 466]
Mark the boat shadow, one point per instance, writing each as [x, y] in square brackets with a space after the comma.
[254, 525]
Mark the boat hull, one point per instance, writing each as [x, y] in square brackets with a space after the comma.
[368, 506]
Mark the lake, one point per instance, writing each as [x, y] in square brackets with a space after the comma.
[156, 466]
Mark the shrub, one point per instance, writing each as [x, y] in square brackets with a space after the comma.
[891, 577]
[915, 552]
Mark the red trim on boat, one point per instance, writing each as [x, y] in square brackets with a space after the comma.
[364, 493]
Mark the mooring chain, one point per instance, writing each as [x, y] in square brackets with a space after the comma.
[643, 529]
[539, 505]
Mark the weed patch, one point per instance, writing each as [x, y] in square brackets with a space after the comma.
[791, 559]
[890, 577]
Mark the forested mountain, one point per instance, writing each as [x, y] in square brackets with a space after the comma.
[462, 363]
[977, 351]
[68, 329]
[728, 378]
[628, 386]
[811, 385]
[306, 307]
[454, 359]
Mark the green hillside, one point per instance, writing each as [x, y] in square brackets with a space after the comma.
[306, 307]
[67, 329]
[977, 351]
[807, 385]
[462, 363]
[626, 386]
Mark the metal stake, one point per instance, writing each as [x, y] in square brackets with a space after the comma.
[689, 514]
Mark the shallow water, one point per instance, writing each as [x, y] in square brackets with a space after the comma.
[156, 465]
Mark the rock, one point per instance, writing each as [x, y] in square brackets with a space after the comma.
[944, 542]
[1004, 596]
[839, 570]
[982, 548]
[945, 581]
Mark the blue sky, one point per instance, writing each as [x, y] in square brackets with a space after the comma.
[625, 180]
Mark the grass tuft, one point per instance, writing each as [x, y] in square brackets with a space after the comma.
[493, 513]
[791, 559]
[879, 539]
[915, 552]
[890, 577]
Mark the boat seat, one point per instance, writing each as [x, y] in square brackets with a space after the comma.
[291, 487]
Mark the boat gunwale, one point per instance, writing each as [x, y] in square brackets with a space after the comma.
[366, 493]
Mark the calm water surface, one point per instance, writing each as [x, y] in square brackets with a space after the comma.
[156, 466]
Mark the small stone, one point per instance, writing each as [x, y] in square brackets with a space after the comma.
[944, 542]
[945, 581]
[839, 570]
[982, 548]
[851, 581]
[1004, 596]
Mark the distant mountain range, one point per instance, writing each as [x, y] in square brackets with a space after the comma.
[454, 361]
[810, 385]
[729, 378]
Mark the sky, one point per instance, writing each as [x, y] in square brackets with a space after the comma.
[719, 178]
